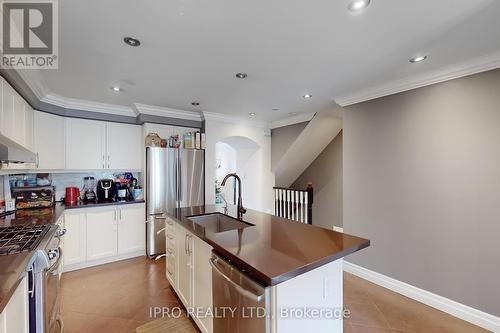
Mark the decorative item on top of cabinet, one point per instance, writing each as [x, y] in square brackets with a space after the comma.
[153, 140]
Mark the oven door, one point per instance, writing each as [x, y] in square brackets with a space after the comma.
[52, 298]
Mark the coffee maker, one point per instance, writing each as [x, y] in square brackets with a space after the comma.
[105, 190]
[89, 189]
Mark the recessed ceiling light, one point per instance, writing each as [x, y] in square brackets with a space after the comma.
[241, 75]
[357, 5]
[195, 104]
[131, 41]
[252, 114]
[293, 113]
[275, 109]
[418, 59]
[116, 89]
[307, 96]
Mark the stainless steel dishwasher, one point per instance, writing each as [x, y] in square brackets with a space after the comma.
[240, 303]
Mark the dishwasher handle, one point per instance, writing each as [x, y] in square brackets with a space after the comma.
[240, 289]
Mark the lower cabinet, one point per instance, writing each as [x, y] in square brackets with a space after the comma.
[184, 266]
[102, 235]
[98, 235]
[75, 248]
[188, 271]
[15, 315]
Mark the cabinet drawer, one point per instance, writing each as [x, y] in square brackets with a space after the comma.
[171, 242]
[171, 267]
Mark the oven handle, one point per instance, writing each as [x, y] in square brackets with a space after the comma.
[55, 265]
[240, 289]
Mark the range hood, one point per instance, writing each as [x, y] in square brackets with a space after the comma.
[12, 152]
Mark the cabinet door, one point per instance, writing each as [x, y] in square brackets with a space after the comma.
[15, 315]
[131, 228]
[7, 125]
[75, 239]
[49, 141]
[85, 144]
[19, 131]
[28, 126]
[202, 281]
[102, 230]
[184, 268]
[124, 146]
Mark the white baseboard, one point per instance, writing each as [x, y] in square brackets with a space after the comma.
[87, 264]
[338, 229]
[464, 312]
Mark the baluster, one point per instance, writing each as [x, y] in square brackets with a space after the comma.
[306, 204]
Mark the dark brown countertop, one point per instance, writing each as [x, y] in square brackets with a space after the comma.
[275, 249]
[13, 266]
[82, 204]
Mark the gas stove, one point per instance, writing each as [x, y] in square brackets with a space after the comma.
[18, 239]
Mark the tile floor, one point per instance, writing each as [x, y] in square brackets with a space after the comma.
[117, 298]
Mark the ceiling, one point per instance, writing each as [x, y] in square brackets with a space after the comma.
[192, 49]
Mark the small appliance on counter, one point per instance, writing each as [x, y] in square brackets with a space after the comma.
[105, 190]
[72, 195]
[122, 192]
[89, 189]
[33, 197]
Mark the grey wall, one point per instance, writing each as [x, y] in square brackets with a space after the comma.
[422, 182]
[282, 138]
[325, 172]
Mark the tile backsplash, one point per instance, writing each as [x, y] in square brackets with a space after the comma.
[63, 180]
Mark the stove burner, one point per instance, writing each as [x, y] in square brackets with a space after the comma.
[19, 239]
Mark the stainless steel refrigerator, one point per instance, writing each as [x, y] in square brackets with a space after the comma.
[175, 178]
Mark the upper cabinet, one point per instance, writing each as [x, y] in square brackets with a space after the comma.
[16, 116]
[49, 141]
[94, 144]
[85, 144]
[124, 146]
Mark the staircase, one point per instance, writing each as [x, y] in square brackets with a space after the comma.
[318, 133]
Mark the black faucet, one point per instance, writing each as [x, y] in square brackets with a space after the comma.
[240, 208]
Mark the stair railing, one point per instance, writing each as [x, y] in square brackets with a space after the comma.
[294, 204]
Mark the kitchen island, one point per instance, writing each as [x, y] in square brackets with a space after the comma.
[299, 265]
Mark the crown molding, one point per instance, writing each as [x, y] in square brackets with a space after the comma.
[300, 118]
[213, 116]
[478, 65]
[166, 112]
[34, 81]
[83, 105]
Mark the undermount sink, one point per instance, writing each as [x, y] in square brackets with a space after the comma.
[218, 222]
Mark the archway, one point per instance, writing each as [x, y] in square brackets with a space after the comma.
[237, 154]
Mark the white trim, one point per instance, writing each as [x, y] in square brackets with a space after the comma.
[86, 264]
[338, 229]
[166, 112]
[478, 65]
[83, 105]
[212, 116]
[300, 118]
[34, 81]
[464, 312]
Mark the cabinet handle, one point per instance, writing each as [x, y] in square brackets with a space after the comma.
[120, 213]
[109, 163]
[190, 240]
[103, 162]
[185, 244]
[115, 215]
[37, 160]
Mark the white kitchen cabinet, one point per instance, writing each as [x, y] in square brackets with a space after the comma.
[19, 131]
[131, 228]
[202, 282]
[171, 253]
[184, 267]
[49, 141]
[124, 146]
[75, 248]
[102, 227]
[7, 125]
[15, 316]
[29, 115]
[85, 144]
